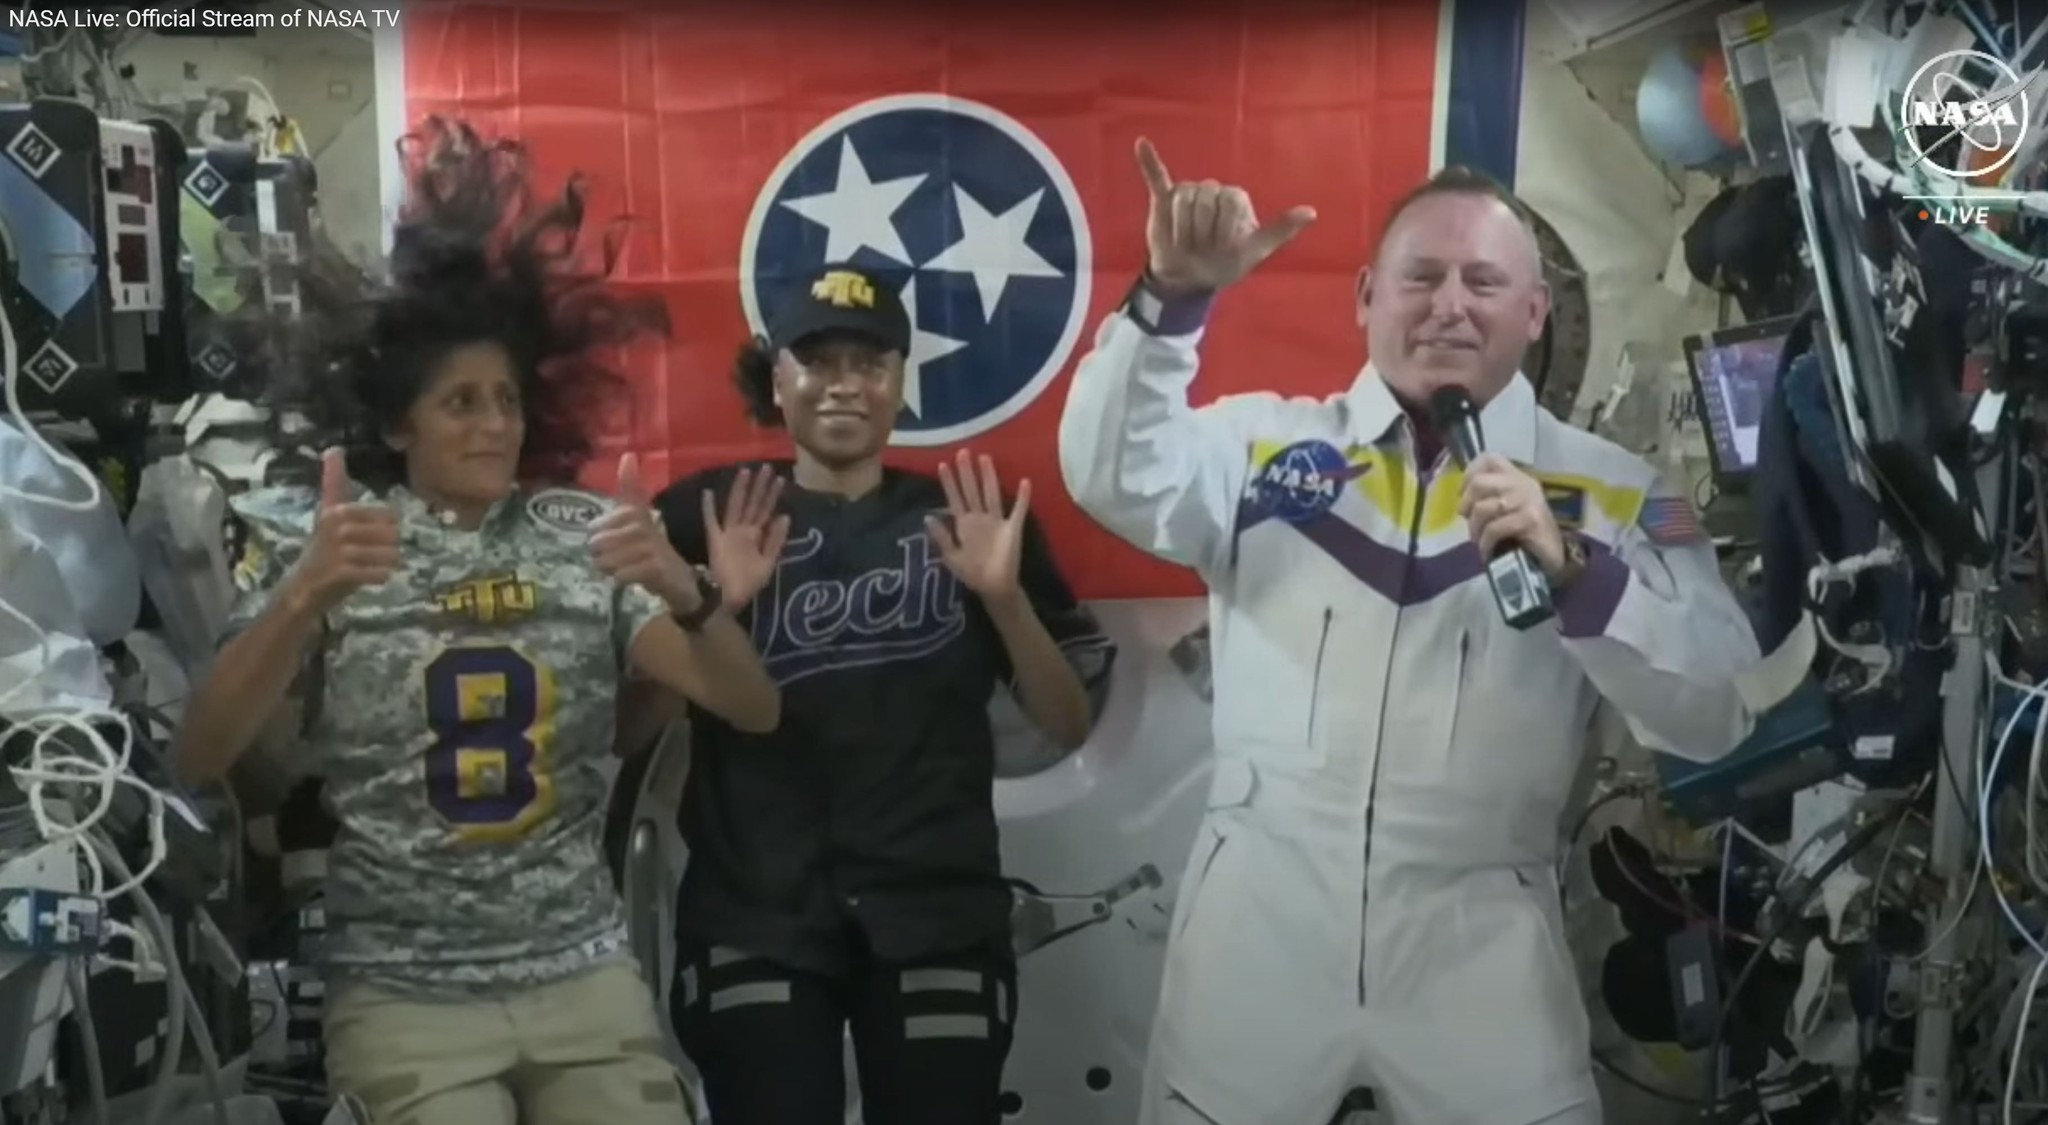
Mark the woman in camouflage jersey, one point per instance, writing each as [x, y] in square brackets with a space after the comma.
[458, 620]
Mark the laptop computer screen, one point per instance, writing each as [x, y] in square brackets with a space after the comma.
[1733, 371]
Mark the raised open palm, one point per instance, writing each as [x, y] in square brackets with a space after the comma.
[743, 546]
[982, 546]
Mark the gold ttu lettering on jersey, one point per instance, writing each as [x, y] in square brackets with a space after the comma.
[844, 289]
[497, 599]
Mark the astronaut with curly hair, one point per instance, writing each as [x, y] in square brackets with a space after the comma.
[456, 619]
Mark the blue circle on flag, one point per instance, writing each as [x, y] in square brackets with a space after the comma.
[971, 214]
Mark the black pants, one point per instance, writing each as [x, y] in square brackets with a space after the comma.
[929, 1038]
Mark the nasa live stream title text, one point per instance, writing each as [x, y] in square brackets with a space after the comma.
[252, 15]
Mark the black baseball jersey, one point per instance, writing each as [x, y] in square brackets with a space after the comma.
[866, 818]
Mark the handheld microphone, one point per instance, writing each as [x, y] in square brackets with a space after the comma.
[1519, 587]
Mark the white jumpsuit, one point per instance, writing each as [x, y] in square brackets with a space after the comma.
[1370, 901]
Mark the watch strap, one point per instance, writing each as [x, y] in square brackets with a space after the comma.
[1576, 556]
[709, 598]
[1161, 315]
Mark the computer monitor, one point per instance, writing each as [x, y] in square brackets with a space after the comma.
[1733, 371]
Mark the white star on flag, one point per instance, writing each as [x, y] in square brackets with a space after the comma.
[992, 247]
[858, 212]
[925, 347]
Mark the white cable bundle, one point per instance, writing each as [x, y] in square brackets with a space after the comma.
[52, 763]
[2033, 697]
[1875, 657]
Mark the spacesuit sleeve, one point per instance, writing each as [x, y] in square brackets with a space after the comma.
[274, 525]
[1159, 474]
[1660, 634]
[1080, 637]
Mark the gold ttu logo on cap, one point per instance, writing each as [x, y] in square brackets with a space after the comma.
[845, 289]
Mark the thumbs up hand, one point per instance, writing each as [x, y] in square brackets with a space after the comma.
[629, 545]
[1203, 236]
[354, 544]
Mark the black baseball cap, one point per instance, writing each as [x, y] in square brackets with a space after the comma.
[841, 298]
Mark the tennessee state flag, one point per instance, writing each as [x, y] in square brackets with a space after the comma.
[983, 152]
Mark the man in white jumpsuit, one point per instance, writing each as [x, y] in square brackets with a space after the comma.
[1370, 901]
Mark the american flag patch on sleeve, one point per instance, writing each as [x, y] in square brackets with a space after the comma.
[1669, 521]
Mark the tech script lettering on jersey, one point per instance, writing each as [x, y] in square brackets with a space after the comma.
[904, 611]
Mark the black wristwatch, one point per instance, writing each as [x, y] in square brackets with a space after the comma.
[709, 598]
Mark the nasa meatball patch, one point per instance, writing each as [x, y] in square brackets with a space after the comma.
[564, 510]
[1300, 482]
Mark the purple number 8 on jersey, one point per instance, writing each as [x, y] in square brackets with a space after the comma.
[491, 711]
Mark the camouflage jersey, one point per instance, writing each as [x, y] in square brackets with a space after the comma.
[461, 714]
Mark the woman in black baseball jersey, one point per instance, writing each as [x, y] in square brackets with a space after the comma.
[844, 870]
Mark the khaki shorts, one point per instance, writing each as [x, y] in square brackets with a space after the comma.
[584, 1051]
